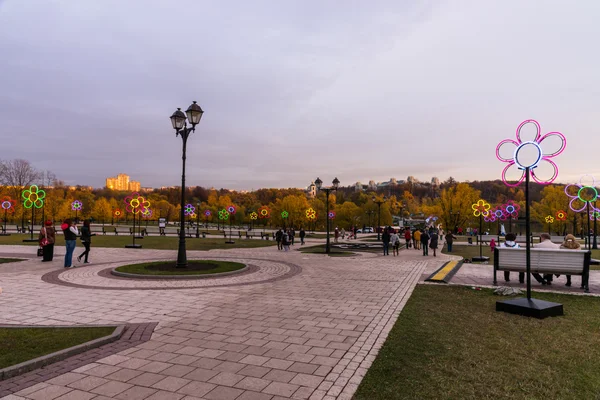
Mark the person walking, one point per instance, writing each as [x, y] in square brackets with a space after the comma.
[47, 239]
[433, 244]
[70, 232]
[385, 238]
[407, 237]
[417, 237]
[278, 237]
[292, 233]
[285, 240]
[449, 240]
[395, 243]
[336, 234]
[343, 232]
[302, 235]
[86, 240]
[424, 238]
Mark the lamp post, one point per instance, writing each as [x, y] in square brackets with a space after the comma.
[370, 212]
[379, 202]
[335, 183]
[197, 220]
[178, 120]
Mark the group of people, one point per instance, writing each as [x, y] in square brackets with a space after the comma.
[47, 239]
[285, 238]
[569, 243]
[424, 239]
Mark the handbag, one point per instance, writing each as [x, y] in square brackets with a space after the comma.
[40, 252]
[44, 241]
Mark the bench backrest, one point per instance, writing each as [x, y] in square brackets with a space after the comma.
[571, 262]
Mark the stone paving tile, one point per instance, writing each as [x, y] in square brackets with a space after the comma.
[312, 334]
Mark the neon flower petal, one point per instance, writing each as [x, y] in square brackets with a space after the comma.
[331, 214]
[561, 215]
[520, 134]
[253, 216]
[512, 169]
[549, 219]
[509, 147]
[547, 151]
[207, 213]
[545, 162]
[311, 214]
[285, 214]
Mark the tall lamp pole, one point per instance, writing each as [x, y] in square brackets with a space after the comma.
[370, 212]
[198, 220]
[178, 120]
[379, 202]
[327, 190]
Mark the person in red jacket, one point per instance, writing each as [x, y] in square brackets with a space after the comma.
[407, 237]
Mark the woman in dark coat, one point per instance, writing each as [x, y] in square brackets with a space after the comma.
[86, 240]
[48, 233]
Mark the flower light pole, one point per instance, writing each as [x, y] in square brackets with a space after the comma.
[135, 204]
[595, 215]
[511, 210]
[207, 215]
[253, 217]
[8, 205]
[179, 121]
[311, 216]
[224, 216]
[481, 209]
[583, 195]
[198, 220]
[33, 198]
[190, 212]
[524, 156]
[231, 210]
[76, 206]
[264, 213]
[284, 217]
[334, 186]
[549, 221]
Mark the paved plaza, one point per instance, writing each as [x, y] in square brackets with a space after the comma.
[293, 325]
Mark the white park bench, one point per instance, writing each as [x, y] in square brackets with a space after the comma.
[545, 261]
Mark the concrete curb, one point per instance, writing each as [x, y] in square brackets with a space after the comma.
[154, 277]
[42, 361]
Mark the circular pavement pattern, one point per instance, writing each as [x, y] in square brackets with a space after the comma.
[99, 276]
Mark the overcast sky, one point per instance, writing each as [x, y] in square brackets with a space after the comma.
[293, 90]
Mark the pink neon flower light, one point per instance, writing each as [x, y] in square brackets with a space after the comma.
[499, 213]
[511, 209]
[518, 161]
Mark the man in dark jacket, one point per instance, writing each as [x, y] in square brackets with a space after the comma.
[425, 242]
[385, 238]
[302, 235]
[278, 237]
[450, 240]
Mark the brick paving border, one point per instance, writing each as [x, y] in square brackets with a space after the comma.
[134, 334]
[54, 277]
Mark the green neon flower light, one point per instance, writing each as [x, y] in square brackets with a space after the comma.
[285, 214]
[33, 197]
[224, 215]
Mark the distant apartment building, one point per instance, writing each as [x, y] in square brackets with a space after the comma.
[122, 182]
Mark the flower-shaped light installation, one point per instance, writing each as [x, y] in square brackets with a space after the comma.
[549, 219]
[311, 214]
[224, 215]
[331, 214]
[117, 213]
[33, 197]
[582, 194]
[491, 217]
[561, 215]
[8, 204]
[76, 205]
[264, 212]
[285, 214]
[147, 213]
[431, 218]
[207, 213]
[512, 209]
[595, 215]
[134, 203]
[527, 153]
[189, 209]
[231, 209]
[253, 216]
[500, 213]
[481, 208]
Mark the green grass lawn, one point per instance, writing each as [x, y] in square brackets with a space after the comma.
[450, 343]
[151, 242]
[10, 260]
[196, 267]
[22, 344]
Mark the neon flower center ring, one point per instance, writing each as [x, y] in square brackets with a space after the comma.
[6, 205]
[523, 159]
[585, 189]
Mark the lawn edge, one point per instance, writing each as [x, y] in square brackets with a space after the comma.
[39, 362]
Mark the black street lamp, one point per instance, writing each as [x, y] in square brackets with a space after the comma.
[379, 202]
[370, 212]
[178, 120]
[333, 187]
